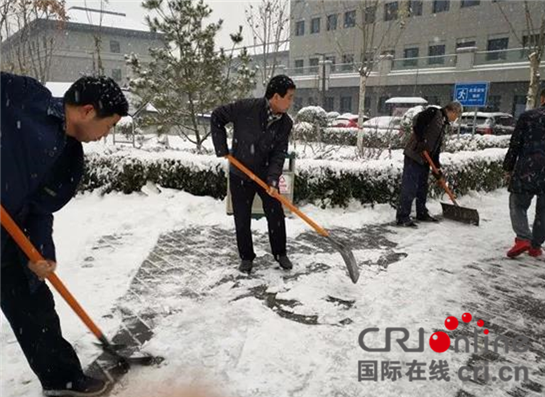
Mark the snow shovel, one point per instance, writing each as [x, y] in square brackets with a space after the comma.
[450, 211]
[345, 252]
[32, 253]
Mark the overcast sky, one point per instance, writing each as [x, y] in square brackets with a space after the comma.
[232, 13]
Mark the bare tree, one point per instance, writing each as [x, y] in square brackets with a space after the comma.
[269, 24]
[98, 66]
[29, 42]
[534, 40]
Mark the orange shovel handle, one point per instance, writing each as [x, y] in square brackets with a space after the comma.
[277, 196]
[34, 256]
[441, 181]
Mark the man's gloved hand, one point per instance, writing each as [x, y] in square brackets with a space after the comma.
[438, 175]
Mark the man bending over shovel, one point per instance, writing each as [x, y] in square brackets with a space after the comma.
[261, 129]
[428, 132]
[42, 164]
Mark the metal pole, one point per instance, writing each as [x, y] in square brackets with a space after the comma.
[474, 121]
[323, 81]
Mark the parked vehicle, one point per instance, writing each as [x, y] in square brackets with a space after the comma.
[487, 123]
[383, 124]
[346, 120]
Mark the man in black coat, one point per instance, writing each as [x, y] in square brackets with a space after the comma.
[41, 166]
[428, 132]
[524, 166]
[261, 129]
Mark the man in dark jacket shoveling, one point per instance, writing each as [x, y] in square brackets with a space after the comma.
[260, 142]
[42, 164]
[524, 166]
[428, 133]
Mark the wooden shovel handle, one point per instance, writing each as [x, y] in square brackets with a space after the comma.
[277, 196]
[441, 181]
[34, 256]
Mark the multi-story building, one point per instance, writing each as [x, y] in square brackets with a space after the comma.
[70, 49]
[421, 48]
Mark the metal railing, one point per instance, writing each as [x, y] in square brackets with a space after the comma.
[438, 61]
[502, 56]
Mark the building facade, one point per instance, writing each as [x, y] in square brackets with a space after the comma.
[420, 48]
[70, 50]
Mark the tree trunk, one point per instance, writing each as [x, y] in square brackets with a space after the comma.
[533, 87]
[361, 110]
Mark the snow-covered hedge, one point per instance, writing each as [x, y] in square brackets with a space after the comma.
[324, 182]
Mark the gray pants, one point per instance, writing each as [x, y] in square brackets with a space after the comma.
[518, 208]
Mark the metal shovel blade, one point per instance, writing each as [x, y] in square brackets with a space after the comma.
[460, 214]
[348, 257]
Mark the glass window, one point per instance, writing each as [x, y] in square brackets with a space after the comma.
[315, 25]
[346, 104]
[410, 55]
[300, 28]
[332, 22]
[116, 74]
[440, 6]
[313, 63]
[299, 66]
[435, 53]
[390, 11]
[350, 19]
[470, 3]
[495, 46]
[115, 46]
[415, 8]
[370, 14]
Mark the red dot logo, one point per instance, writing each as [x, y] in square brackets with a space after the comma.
[466, 317]
[480, 323]
[486, 332]
[451, 323]
[439, 342]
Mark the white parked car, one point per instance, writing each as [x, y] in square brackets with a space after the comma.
[487, 123]
[383, 124]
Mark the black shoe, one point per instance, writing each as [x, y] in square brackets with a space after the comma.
[246, 266]
[407, 223]
[426, 218]
[284, 262]
[83, 387]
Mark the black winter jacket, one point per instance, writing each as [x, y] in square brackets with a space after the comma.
[259, 146]
[526, 155]
[428, 132]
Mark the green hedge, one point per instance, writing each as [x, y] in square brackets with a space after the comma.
[325, 183]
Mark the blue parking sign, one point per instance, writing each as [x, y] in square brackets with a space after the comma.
[471, 94]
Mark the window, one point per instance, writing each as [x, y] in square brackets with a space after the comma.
[299, 66]
[495, 46]
[332, 22]
[332, 59]
[464, 43]
[115, 46]
[346, 104]
[494, 103]
[313, 63]
[382, 107]
[297, 103]
[116, 74]
[390, 11]
[440, 6]
[348, 61]
[329, 103]
[470, 3]
[415, 8]
[435, 53]
[519, 105]
[530, 41]
[350, 19]
[315, 25]
[367, 104]
[312, 101]
[410, 55]
[370, 15]
[300, 28]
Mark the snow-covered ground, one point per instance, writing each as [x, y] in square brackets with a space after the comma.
[242, 347]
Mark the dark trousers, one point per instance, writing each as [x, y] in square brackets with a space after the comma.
[36, 325]
[414, 184]
[518, 209]
[242, 193]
